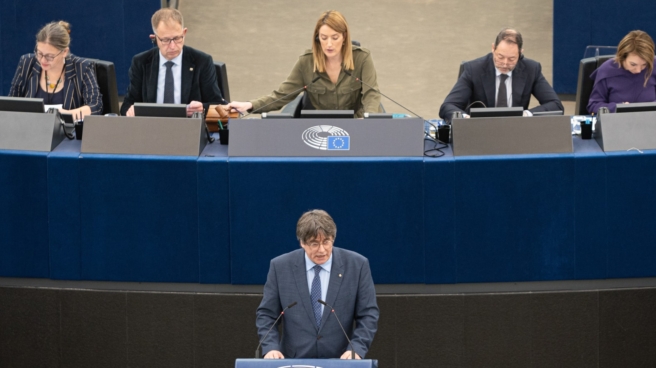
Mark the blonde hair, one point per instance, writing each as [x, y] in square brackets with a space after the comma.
[639, 43]
[56, 34]
[166, 15]
[337, 22]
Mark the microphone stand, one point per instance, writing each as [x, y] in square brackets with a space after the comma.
[340, 325]
[258, 352]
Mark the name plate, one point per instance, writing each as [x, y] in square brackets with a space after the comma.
[326, 138]
[143, 135]
[27, 131]
[621, 132]
[512, 135]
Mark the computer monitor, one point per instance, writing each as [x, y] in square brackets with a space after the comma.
[636, 107]
[22, 104]
[327, 114]
[548, 113]
[495, 112]
[160, 110]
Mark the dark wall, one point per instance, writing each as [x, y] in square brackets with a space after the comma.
[107, 30]
[83, 328]
[578, 24]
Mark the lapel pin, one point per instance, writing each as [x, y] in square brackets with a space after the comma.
[340, 275]
[191, 69]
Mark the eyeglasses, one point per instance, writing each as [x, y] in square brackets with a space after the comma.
[504, 60]
[167, 41]
[325, 243]
[48, 57]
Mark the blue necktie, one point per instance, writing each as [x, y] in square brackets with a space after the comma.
[168, 83]
[316, 295]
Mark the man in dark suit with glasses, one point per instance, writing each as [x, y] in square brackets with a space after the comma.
[172, 72]
[502, 78]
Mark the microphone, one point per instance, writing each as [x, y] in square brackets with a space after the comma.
[405, 108]
[340, 325]
[283, 97]
[258, 352]
[375, 89]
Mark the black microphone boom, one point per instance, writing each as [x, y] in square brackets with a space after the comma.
[375, 89]
[258, 353]
[340, 325]
[283, 97]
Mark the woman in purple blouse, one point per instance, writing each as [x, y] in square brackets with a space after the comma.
[627, 78]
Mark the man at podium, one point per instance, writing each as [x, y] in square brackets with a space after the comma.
[311, 280]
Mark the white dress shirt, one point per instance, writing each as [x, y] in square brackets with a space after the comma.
[177, 78]
[497, 81]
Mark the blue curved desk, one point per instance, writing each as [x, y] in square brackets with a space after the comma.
[215, 219]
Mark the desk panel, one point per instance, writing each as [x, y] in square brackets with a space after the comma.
[376, 204]
[213, 215]
[514, 218]
[23, 214]
[590, 210]
[64, 226]
[439, 219]
[139, 218]
[631, 216]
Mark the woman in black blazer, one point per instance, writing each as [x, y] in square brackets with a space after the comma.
[56, 75]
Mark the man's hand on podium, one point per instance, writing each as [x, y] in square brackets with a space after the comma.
[194, 106]
[274, 354]
[347, 355]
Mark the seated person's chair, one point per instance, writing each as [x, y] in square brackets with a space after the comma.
[106, 75]
[585, 83]
[222, 79]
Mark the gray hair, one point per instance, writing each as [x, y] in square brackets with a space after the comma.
[315, 222]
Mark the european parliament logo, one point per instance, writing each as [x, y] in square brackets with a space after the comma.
[327, 137]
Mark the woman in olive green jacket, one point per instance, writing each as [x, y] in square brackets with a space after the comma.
[330, 71]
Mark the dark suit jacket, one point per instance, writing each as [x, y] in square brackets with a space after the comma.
[81, 88]
[350, 291]
[198, 79]
[477, 83]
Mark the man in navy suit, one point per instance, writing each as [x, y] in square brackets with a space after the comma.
[172, 72]
[502, 78]
[318, 271]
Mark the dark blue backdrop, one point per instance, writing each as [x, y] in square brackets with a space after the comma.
[580, 23]
[108, 30]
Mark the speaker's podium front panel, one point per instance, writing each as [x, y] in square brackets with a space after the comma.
[326, 138]
[305, 363]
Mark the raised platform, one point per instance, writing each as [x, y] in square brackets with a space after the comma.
[46, 323]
